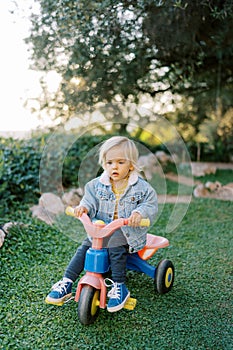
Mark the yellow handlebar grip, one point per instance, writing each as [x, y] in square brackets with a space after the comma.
[145, 222]
[69, 211]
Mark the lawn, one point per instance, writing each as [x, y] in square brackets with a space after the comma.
[195, 314]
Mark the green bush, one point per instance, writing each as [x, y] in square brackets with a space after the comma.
[19, 164]
[23, 163]
[29, 166]
[218, 152]
[76, 155]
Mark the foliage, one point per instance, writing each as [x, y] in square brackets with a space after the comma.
[24, 163]
[111, 51]
[19, 170]
[20, 166]
[76, 155]
[221, 175]
[195, 314]
[116, 47]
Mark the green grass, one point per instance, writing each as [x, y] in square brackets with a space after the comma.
[163, 185]
[166, 186]
[224, 176]
[195, 314]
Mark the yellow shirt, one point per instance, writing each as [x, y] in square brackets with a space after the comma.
[118, 193]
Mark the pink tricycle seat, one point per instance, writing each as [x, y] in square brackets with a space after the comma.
[153, 243]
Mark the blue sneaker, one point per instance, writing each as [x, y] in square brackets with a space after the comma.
[118, 296]
[61, 292]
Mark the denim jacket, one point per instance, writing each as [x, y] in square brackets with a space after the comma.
[139, 196]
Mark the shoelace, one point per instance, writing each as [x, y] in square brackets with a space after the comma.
[60, 286]
[115, 291]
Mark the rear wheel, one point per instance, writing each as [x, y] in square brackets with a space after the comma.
[164, 276]
[88, 305]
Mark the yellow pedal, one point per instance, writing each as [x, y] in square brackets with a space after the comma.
[130, 304]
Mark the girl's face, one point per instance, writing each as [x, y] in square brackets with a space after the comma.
[116, 165]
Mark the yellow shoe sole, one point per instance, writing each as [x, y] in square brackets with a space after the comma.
[58, 302]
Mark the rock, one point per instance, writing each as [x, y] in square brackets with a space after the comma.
[200, 191]
[148, 164]
[73, 197]
[42, 214]
[4, 230]
[52, 203]
[214, 190]
[164, 157]
[2, 237]
[49, 206]
[199, 169]
[213, 186]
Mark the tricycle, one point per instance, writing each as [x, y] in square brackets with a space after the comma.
[91, 292]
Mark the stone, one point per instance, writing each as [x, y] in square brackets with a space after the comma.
[214, 190]
[73, 197]
[52, 203]
[42, 214]
[202, 169]
[148, 165]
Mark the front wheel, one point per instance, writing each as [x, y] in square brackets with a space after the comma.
[164, 276]
[88, 305]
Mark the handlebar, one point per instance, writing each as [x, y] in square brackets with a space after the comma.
[101, 230]
[144, 222]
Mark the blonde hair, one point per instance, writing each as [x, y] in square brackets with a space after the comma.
[128, 146]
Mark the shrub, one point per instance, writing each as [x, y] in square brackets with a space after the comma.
[20, 169]
[19, 164]
[23, 163]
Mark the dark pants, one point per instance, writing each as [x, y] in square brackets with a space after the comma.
[117, 249]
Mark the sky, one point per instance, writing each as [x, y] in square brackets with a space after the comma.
[17, 81]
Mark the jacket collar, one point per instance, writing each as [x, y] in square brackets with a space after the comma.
[105, 180]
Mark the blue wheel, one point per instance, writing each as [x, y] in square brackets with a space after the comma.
[164, 276]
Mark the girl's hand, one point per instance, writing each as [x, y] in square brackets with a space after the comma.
[134, 219]
[80, 210]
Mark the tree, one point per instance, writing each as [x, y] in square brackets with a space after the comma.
[115, 50]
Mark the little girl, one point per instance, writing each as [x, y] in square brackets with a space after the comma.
[118, 193]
